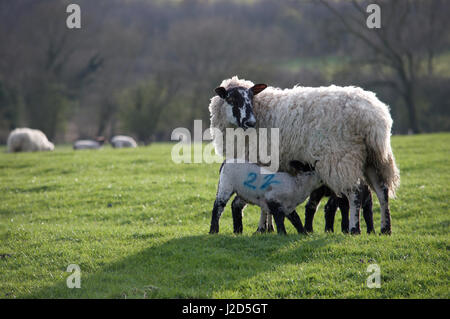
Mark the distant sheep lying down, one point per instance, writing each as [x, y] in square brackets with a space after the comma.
[279, 193]
[28, 140]
[89, 144]
[121, 141]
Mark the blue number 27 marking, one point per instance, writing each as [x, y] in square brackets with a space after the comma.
[250, 179]
[268, 180]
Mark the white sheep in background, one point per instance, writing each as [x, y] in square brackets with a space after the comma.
[28, 140]
[121, 141]
[279, 193]
[344, 132]
[89, 144]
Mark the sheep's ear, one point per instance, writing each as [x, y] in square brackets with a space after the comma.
[257, 88]
[221, 91]
[301, 167]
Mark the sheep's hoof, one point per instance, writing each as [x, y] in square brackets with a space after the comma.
[213, 230]
[270, 229]
[355, 231]
[261, 230]
[386, 231]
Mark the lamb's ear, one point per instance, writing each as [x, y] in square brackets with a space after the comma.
[257, 88]
[301, 167]
[221, 91]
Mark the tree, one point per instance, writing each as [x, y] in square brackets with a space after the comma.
[141, 107]
[405, 45]
[46, 65]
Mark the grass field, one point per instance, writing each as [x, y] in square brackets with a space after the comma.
[137, 225]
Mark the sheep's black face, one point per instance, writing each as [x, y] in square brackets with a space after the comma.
[240, 104]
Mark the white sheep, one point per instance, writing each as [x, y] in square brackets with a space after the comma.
[121, 141]
[28, 140]
[343, 131]
[278, 193]
[89, 144]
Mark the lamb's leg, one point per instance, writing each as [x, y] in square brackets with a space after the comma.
[237, 206]
[262, 225]
[330, 212]
[382, 191]
[219, 205]
[265, 222]
[354, 200]
[295, 220]
[269, 226]
[269, 223]
[311, 207]
[278, 215]
[366, 197]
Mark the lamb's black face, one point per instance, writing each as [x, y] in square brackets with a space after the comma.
[240, 104]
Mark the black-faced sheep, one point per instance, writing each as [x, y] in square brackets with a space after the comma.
[343, 131]
[278, 193]
[28, 140]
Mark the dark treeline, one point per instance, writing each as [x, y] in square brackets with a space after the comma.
[146, 67]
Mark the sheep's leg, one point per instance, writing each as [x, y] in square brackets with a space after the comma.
[237, 206]
[262, 225]
[382, 191]
[311, 207]
[265, 222]
[330, 212]
[269, 226]
[295, 220]
[269, 222]
[344, 208]
[278, 215]
[279, 222]
[354, 199]
[366, 198]
[217, 211]
[219, 206]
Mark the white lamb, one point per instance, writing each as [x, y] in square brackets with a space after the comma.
[344, 132]
[278, 193]
[28, 140]
[121, 141]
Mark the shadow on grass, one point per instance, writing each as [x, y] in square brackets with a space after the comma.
[191, 267]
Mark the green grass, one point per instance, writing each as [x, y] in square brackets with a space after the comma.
[137, 225]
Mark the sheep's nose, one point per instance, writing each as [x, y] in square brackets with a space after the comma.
[250, 123]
